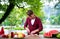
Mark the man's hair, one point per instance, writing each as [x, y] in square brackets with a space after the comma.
[29, 12]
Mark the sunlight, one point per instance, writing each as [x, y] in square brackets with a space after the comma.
[1, 11]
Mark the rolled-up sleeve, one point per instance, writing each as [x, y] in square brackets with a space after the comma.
[26, 23]
[40, 25]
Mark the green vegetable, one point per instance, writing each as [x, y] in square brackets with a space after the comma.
[58, 36]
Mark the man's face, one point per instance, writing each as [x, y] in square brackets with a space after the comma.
[32, 16]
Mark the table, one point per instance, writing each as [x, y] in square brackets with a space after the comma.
[41, 37]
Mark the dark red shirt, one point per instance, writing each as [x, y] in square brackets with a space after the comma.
[37, 25]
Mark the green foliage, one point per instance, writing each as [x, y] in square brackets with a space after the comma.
[15, 17]
[55, 20]
[17, 14]
[1, 14]
[36, 6]
[3, 7]
[19, 28]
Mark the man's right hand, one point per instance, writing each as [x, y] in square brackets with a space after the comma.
[27, 30]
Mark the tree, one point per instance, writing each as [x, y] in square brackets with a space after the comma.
[20, 12]
[10, 7]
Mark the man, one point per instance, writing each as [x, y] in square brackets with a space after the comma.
[33, 24]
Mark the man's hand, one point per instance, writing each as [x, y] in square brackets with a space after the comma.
[28, 30]
[34, 31]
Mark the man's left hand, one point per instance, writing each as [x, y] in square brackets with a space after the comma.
[33, 32]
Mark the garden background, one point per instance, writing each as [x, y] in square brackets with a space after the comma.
[47, 10]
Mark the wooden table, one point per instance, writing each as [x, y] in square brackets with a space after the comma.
[41, 37]
[48, 38]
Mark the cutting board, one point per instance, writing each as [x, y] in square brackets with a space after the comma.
[32, 37]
